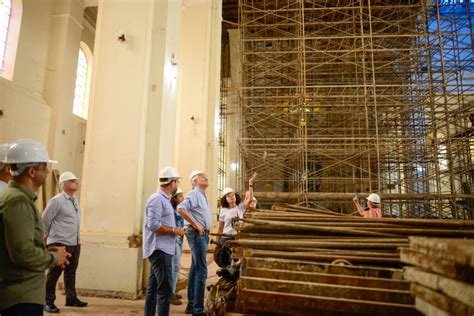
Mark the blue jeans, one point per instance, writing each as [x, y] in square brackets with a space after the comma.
[198, 273]
[159, 288]
[176, 262]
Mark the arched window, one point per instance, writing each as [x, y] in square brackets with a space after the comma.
[10, 22]
[83, 78]
[5, 12]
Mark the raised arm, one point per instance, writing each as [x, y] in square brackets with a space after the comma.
[249, 197]
[357, 205]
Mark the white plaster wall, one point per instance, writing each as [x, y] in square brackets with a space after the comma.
[113, 148]
[199, 74]
[122, 155]
[26, 113]
[66, 32]
[37, 102]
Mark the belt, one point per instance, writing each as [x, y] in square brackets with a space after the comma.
[206, 231]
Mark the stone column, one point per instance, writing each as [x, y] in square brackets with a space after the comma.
[65, 36]
[132, 96]
[198, 97]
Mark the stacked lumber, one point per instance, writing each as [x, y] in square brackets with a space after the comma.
[291, 260]
[293, 287]
[442, 275]
[324, 236]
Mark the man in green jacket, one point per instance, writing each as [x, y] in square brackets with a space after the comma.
[23, 257]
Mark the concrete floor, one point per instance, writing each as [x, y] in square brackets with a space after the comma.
[107, 306]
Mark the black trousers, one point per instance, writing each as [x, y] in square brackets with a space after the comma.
[69, 275]
[23, 309]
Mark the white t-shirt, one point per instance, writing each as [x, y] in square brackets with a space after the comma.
[227, 214]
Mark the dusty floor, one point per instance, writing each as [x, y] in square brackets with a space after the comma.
[107, 306]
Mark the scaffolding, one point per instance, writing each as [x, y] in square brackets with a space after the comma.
[360, 96]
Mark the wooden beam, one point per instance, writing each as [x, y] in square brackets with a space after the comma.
[445, 267]
[447, 304]
[457, 250]
[456, 290]
[327, 290]
[298, 304]
[329, 278]
[278, 244]
[318, 257]
[308, 266]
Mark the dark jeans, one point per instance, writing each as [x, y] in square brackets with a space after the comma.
[23, 309]
[69, 275]
[160, 287]
[198, 273]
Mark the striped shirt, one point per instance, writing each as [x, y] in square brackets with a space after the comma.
[158, 211]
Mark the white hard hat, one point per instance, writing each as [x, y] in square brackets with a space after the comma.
[195, 173]
[168, 174]
[4, 148]
[66, 176]
[374, 198]
[227, 191]
[27, 151]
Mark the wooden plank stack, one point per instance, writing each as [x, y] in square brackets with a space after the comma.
[294, 287]
[442, 275]
[291, 260]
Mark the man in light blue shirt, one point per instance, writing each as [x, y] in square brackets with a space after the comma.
[159, 239]
[198, 219]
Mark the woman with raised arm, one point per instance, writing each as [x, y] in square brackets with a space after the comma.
[232, 208]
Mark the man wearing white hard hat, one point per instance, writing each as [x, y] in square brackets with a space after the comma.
[374, 205]
[5, 175]
[198, 219]
[62, 218]
[159, 243]
[23, 255]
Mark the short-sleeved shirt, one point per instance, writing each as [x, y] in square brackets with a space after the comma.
[195, 203]
[158, 211]
[227, 214]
